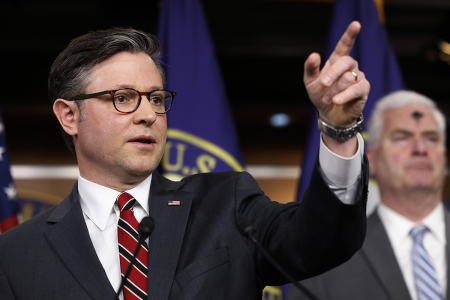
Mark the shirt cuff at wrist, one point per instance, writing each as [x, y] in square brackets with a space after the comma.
[340, 171]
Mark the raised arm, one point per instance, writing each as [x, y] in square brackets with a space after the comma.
[339, 90]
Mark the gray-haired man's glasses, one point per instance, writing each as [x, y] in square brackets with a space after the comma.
[127, 100]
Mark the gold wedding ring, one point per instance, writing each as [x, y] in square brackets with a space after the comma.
[355, 75]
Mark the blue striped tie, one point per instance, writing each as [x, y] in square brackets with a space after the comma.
[425, 276]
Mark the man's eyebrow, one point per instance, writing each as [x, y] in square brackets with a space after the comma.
[431, 132]
[402, 131]
[132, 86]
[408, 132]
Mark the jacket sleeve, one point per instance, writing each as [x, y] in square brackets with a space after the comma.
[306, 238]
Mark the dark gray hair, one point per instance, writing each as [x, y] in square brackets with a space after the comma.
[396, 100]
[70, 72]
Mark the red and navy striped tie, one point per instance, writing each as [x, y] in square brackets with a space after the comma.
[136, 285]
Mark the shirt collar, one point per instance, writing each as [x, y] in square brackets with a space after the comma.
[435, 222]
[398, 227]
[97, 201]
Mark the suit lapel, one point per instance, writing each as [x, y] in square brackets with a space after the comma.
[69, 237]
[165, 243]
[379, 255]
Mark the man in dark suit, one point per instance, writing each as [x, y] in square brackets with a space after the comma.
[108, 93]
[407, 155]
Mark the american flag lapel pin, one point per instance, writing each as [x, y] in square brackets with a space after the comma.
[174, 203]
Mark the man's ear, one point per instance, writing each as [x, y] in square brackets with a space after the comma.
[371, 156]
[68, 114]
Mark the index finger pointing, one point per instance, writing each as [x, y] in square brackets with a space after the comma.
[345, 44]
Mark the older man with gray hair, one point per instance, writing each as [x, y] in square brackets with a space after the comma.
[405, 254]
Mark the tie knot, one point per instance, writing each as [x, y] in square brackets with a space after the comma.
[418, 232]
[125, 201]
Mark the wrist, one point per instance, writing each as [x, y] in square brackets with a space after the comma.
[340, 133]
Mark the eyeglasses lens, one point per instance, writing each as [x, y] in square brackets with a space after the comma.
[160, 101]
[127, 100]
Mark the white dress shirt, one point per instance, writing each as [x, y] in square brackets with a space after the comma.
[101, 212]
[398, 228]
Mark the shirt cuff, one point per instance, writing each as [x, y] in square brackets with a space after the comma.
[338, 171]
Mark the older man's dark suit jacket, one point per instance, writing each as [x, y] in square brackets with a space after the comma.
[196, 251]
[371, 274]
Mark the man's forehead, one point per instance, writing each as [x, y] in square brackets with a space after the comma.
[125, 70]
[412, 117]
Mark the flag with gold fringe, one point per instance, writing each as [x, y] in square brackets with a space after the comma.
[201, 133]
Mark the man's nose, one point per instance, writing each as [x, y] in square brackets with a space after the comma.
[145, 112]
[419, 147]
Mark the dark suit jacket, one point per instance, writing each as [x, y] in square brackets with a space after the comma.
[371, 274]
[196, 251]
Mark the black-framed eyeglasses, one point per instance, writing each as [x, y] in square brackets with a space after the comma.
[127, 100]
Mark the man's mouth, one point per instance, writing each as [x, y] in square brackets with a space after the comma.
[422, 165]
[143, 140]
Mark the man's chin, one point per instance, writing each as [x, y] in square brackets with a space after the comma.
[138, 166]
[421, 185]
[140, 170]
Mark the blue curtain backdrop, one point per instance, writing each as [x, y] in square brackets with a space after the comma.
[201, 131]
[376, 59]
